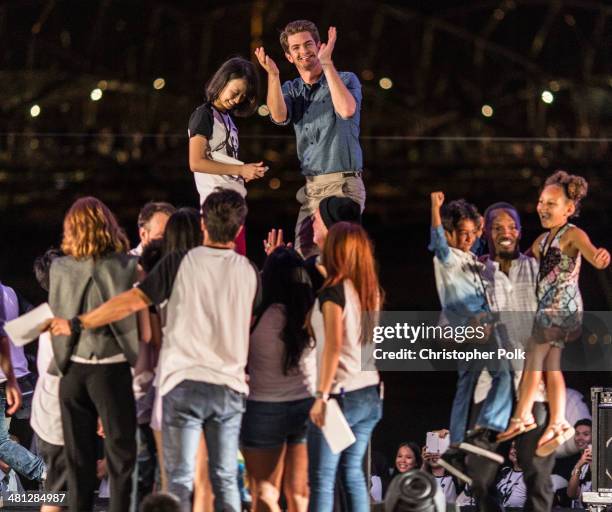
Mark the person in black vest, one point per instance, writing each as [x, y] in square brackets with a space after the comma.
[95, 364]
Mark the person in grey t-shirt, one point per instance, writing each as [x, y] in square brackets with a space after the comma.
[323, 105]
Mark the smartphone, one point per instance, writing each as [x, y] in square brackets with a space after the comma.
[436, 444]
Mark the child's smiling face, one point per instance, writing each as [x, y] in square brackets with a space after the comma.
[554, 208]
[464, 236]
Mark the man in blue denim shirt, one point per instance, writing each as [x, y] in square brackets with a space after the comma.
[323, 105]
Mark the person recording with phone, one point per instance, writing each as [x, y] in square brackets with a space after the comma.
[431, 452]
[580, 479]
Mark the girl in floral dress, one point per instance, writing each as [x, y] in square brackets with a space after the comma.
[559, 311]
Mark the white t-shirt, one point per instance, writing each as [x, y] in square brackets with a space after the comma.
[211, 294]
[46, 417]
[355, 357]
[512, 488]
[267, 382]
[447, 484]
[222, 134]
[18, 358]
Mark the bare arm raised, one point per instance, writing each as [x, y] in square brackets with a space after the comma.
[578, 240]
[275, 100]
[437, 200]
[344, 102]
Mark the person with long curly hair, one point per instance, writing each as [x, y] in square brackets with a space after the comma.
[94, 365]
[559, 311]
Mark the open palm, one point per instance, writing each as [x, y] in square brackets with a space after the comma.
[326, 49]
[265, 61]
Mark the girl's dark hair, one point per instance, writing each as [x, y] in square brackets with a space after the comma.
[236, 67]
[183, 231]
[285, 281]
[456, 211]
[575, 187]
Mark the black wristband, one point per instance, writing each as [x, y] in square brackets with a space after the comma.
[76, 326]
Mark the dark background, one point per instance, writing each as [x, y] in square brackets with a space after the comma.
[445, 59]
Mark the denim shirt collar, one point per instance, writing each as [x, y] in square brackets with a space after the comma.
[302, 86]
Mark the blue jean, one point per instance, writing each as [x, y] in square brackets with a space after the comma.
[362, 409]
[187, 409]
[16, 456]
[497, 407]
[272, 424]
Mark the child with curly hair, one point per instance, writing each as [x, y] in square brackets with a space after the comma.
[559, 312]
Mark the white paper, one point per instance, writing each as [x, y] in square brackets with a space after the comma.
[217, 156]
[336, 430]
[27, 328]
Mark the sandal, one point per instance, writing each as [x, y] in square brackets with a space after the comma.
[562, 432]
[517, 427]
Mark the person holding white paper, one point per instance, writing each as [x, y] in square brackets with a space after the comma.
[13, 365]
[350, 290]
[213, 136]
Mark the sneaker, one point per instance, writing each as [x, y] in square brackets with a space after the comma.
[482, 442]
[453, 461]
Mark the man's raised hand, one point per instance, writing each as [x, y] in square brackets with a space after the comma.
[266, 62]
[326, 49]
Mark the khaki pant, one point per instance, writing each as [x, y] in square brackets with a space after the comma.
[312, 193]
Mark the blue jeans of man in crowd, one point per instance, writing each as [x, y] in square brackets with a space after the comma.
[497, 407]
[188, 409]
[16, 456]
[362, 409]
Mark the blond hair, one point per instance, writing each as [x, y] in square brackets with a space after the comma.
[91, 230]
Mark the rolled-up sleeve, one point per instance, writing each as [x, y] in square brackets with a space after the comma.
[439, 245]
[354, 87]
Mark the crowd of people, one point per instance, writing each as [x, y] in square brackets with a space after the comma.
[166, 363]
[570, 476]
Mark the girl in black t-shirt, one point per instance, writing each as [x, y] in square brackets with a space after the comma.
[213, 136]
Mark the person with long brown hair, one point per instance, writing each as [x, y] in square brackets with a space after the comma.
[341, 320]
[95, 364]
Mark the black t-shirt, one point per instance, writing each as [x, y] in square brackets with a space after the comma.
[157, 286]
[334, 294]
[310, 264]
[201, 121]
[564, 465]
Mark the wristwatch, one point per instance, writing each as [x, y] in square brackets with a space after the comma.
[319, 395]
[76, 326]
